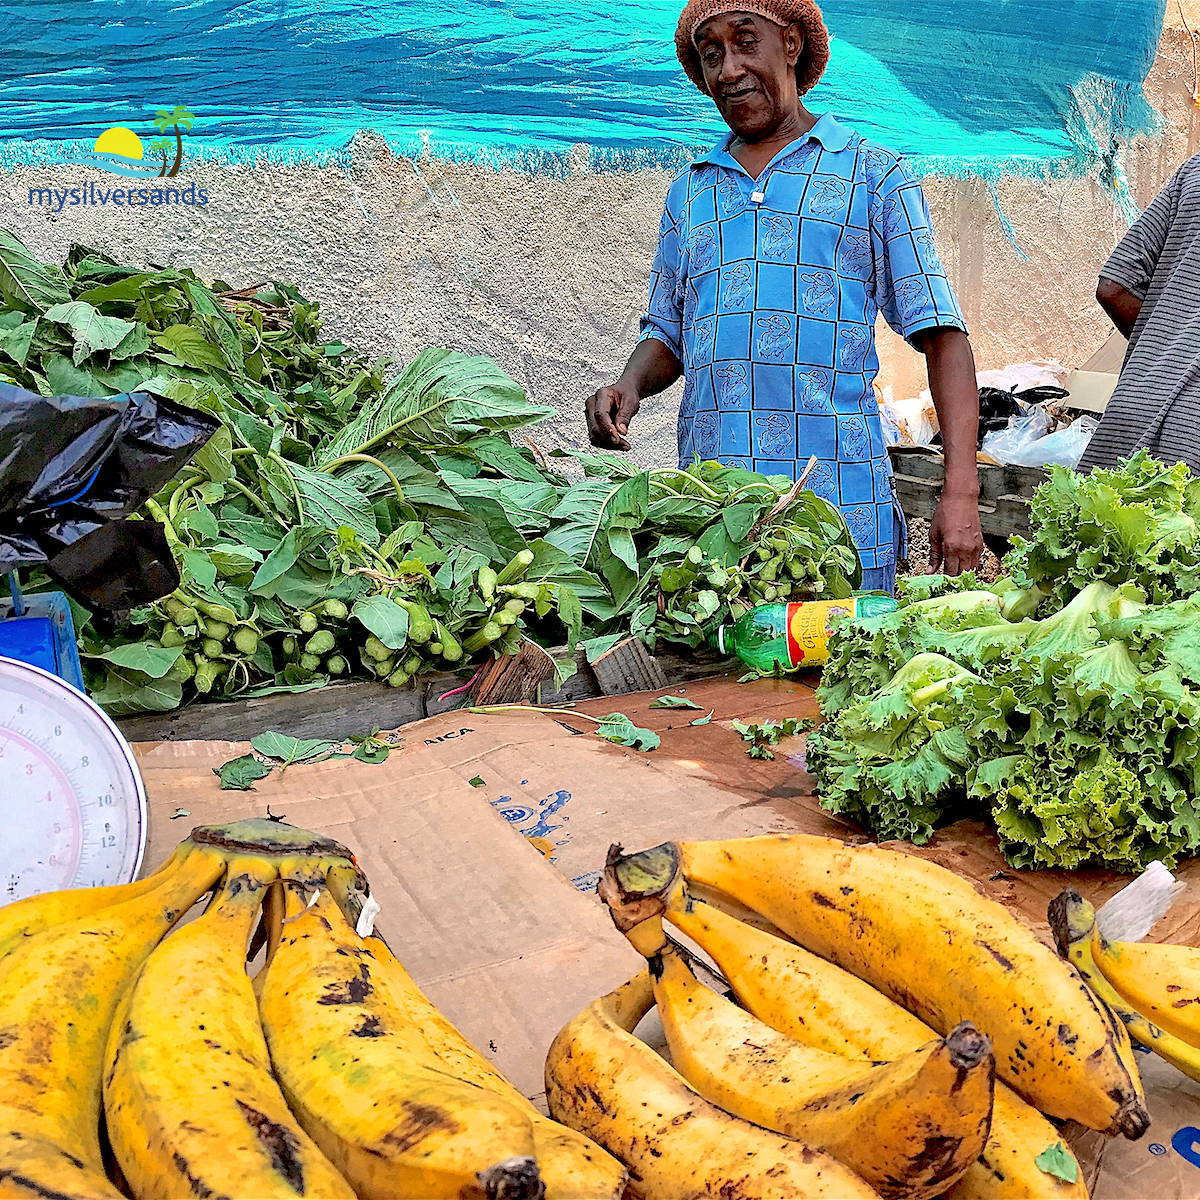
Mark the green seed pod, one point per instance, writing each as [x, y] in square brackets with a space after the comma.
[310, 662]
[335, 664]
[516, 607]
[762, 553]
[289, 646]
[485, 581]
[506, 618]
[412, 664]
[172, 636]
[321, 643]
[398, 678]
[522, 591]
[182, 614]
[451, 647]
[516, 568]
[383, 667]
[335, 610]
[769, 595]
[434, 647]
[207, 674]
[420, 624]
[246, 640]
[308, 622]
[218, 612]
[491, 632]
[376, 649]
[769, 571]
[212, 648]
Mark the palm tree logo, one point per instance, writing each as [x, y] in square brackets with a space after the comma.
[160, 147]
[173, 119]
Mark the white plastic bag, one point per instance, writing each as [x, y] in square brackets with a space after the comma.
[1063, 448]
[1007, 445]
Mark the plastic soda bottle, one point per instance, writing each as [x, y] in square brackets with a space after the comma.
[794, 635]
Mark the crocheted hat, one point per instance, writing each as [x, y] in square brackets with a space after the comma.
[813, 60]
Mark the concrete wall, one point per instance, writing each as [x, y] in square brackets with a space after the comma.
[548, 275]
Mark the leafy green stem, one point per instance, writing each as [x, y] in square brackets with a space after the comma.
[238, 485]
[329, 468]
[282, 464]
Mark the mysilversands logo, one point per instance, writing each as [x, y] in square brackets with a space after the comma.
[120, 151]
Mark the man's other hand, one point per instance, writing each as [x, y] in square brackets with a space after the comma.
[608, 414]
[955, 539]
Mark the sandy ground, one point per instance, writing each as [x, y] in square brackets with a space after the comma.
[918, 554]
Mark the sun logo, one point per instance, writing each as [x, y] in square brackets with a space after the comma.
[119, 140]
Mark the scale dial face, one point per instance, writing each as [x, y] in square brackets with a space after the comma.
[72, 803]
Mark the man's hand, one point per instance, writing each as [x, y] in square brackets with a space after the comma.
[955, 539]
[608, 414]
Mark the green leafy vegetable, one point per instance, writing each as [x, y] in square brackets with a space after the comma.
[675, 702]
[241, 774]
[617, 727]
[289, 750]
[1058, 1161]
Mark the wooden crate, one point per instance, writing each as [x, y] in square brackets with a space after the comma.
[1004, 492]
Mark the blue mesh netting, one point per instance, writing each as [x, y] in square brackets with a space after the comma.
[966, 87]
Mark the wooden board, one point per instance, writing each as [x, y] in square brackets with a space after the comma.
[340, 710]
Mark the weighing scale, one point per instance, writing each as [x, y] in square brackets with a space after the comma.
[72, 801]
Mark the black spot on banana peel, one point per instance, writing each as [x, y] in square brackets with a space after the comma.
[354, 991]
[281, 1145]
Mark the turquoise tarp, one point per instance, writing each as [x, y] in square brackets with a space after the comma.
[969, 86]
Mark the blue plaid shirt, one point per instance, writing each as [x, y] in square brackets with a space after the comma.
[767, 291]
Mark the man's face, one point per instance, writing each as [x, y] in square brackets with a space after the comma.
[749, 68]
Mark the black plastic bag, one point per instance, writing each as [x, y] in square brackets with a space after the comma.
[72, 469]
[996, 407]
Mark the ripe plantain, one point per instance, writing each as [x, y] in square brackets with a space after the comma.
[797, 993]
[1162, 982]
[364, 1082]
[572, 1166]
[25, 918]
[925, 937]
[190, 1103]
[910, 1128]
[58, 993]
[603, 1081]
[1073, 921]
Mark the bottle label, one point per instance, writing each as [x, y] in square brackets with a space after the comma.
[809, 624]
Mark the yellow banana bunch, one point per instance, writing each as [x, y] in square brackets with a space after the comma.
[925, 937]
[823, 1006]
[59, 989]
[910, 1128]
[603, 1081]
[366, 1085]
[1073, 921]
[191, 1106]
[572, 1166]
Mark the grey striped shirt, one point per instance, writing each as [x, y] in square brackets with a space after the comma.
[1157, 401]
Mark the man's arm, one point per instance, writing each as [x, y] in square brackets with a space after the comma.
[955, 538]
[652, 368]
[1120, 304]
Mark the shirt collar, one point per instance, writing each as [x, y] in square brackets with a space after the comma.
[831, 133]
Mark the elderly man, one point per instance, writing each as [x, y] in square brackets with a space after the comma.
[1150, 287]
[776, 251]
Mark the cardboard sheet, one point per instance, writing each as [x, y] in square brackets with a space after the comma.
[504, 931]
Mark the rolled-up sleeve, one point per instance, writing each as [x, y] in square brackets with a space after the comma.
[1133, 262]
[911, 287]
[664, 311]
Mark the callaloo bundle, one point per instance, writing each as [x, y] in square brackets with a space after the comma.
[339, 527]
